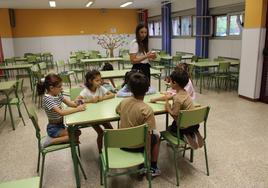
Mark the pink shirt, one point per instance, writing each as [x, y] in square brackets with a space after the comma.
[189, 88]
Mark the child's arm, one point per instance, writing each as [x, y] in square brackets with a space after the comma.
[124, 92]
[91, 100]
[69, 103]
[108, 95]
[64, 112]
[162, 98]
[173, 112]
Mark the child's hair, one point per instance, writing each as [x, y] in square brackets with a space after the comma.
[183, 66]
[138, 84]
[50, 80]
[90, 76]
[180, 76]
[128, 74]
[107, 66]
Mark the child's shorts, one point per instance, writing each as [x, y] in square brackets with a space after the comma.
[190, 130]
[54, 130]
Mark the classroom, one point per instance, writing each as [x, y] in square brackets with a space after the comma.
[133, 93]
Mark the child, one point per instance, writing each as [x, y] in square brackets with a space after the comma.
[107, 85]
[93, 93]
[125, 91]
[170, 92]
[181, 101]
[52, 104]
[133, 112]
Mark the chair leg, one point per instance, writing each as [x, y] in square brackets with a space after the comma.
[206, 157]
[105, 179]
[78, 150]
[176, 167]
[101, 172]
[25, 107]
[191, 155]
[20, 114]
[80, 165]
[5, 113]
[42, 170]
[184, 150]
[38, 162]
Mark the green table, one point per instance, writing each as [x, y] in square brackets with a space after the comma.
[27, 67]
[207, 64]
[23, 183]
[98, 113]
[6, 88]
[121, 74]
[101, 60]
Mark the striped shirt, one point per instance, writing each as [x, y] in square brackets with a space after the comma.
[49, 102]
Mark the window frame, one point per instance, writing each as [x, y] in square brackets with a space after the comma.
[180, 27]
[154, 29]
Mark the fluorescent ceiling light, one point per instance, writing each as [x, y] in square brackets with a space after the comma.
[89, 3]
[52, 3]
[126, 4]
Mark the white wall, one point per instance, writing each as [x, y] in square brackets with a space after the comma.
[155, 43]
[227, 48]
[61, 46]
[217, 47]
[217, 3]
[8, 47]
[251, 62]
[183, 45]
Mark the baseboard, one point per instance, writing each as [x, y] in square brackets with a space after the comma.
[249, 99]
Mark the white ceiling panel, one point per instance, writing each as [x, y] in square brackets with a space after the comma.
[78, 4]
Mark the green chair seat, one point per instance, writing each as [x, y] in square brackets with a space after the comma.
[122, 159]
[170, 138]
[23, 183]
[55, 147]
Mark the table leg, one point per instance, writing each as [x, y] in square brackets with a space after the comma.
[159, 82]
[11, 116]
[71, 131]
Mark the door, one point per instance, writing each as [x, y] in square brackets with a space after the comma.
[264, 82]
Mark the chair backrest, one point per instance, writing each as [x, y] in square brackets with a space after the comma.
[123, 138]
[42, 66]
[33, 117]
[203, 60]
[66, 79]
[127, 137]
[60, 64]
[176, 59]
[194, 58]
[9, 61]
[188, 118]
[19, 87]
[224, 67]
[74, 92]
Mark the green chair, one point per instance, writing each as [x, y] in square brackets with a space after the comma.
[74, 92]
[43, 67]
[76, 67]
[65, 74]
[186, 119]
[112, 157]
[23, 183]
[17, 100]
[43, 151]
[222, 74]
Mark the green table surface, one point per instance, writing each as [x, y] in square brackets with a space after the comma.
[14, 67]
[101, 60]
[7, 85]
[105, 111]
[121, 73]
[212, 63]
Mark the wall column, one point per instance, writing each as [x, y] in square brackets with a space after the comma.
[253, 40]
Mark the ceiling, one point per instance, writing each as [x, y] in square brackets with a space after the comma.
[78, 4]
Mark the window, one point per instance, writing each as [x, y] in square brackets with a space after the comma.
[185, 26]
[194, 26]
[155, 28]
[228, 25]
[176, 31]
[234, 26]
[221, 26]
[151, 28]
[181, 26]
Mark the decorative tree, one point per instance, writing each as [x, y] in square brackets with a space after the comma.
[110, 42]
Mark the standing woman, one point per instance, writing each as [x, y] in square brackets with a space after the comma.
[139, 53]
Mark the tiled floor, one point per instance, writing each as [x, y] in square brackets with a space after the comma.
[237, 150]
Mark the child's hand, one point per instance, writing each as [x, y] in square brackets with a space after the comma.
[95, 99]
[100, 98]
[81, 107]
